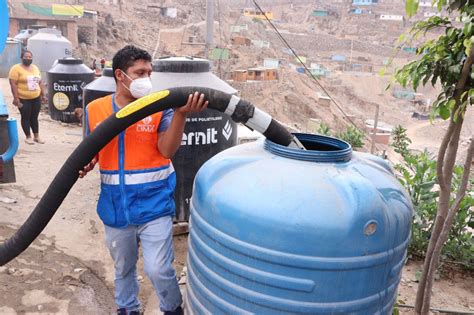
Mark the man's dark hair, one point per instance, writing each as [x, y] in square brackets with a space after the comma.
[126, 57]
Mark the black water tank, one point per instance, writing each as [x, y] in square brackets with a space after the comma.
[102, 86]
[66, 80]
[205, 134]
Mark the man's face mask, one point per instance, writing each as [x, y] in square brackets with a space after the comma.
[139, 87]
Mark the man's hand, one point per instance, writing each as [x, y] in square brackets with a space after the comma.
[44, 99]
[170, 140]
[89, 167]
[194, 104]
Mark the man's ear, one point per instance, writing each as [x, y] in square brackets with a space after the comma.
[119, 75]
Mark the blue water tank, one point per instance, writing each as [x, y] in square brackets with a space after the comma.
[276, 230]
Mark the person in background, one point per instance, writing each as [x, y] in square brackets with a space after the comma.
[102, 63]
[95, 68]
[138, 180]
[28, 92]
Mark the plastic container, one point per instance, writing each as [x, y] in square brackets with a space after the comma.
[205, 134]
[276, 230]
[66, 81]
[47, 46]
[100, 87]
[10, 56]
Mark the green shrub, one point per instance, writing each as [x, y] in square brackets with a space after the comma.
[353, 136]
[418, 175]
[324, 129]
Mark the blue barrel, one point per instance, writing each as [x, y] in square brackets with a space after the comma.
[8, 144]
[276, 230]
[4, 23]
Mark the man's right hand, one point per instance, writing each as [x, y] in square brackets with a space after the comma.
[89, 167]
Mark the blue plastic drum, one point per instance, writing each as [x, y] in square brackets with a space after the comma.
[276, 230]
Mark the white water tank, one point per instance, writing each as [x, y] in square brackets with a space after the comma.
[47, 46]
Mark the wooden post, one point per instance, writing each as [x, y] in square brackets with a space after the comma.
[209, 27]
[376, 120]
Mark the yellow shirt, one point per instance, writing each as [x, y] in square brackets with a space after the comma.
[27, 81]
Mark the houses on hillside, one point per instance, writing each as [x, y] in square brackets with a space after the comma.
[255, 74]
[253, 13]
[364, 2]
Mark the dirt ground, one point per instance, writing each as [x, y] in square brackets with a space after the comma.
[68, 270]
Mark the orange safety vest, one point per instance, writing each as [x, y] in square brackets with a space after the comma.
[137, 182]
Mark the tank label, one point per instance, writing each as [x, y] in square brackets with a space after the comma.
[200, 137]
[227, 130]
[65, 88]
[210, 135]
[66, 94]
[141, 103]
[60, 101]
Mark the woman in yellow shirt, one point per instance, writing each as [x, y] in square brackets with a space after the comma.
[28, 91]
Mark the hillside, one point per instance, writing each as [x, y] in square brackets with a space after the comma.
[362, 39]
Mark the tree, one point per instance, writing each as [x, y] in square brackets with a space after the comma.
[448, 60]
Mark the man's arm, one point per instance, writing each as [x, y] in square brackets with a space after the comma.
[170, 140]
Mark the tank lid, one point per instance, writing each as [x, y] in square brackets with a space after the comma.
[171, 72]
[108, 72]
[70, 61]
[185, 64]
[318, 149]
[13, 40]
[50, 31]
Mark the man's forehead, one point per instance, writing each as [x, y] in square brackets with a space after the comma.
[141, 64]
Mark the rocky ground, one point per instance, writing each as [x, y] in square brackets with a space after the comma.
[67, 270]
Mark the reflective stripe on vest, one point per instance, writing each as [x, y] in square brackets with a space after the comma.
[138, 178]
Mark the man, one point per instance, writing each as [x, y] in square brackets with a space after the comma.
[137, 183]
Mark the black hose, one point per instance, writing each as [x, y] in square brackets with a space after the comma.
[239, 110]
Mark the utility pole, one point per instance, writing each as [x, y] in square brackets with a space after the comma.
[376, 121]
[209, 27]
[158, 39]
[352, 48]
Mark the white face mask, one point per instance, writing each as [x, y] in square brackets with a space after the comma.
[139, 87]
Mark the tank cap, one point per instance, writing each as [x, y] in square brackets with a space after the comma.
[47, 30]
[186, 64]
[318, 149]
[70, 61]
[108, 72]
